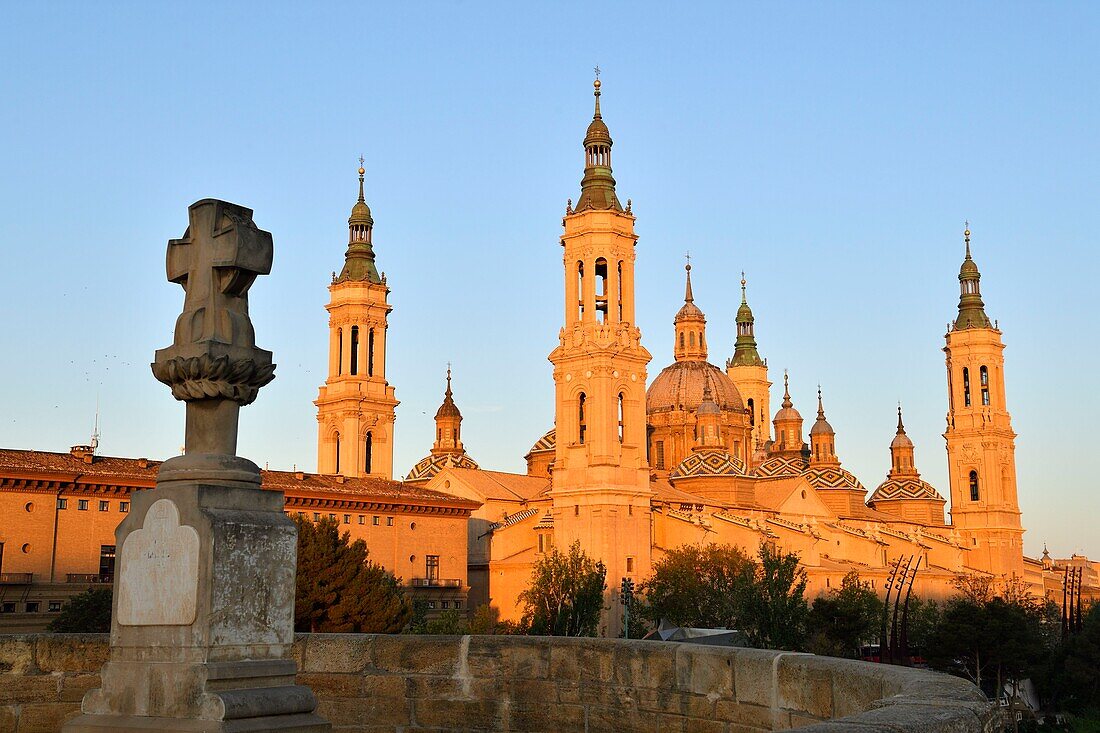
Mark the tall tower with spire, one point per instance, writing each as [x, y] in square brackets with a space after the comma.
[750, 374]
[600, 490]
[981, 450]
[355, 406]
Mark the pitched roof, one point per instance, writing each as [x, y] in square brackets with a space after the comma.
[141, 473]
[501, 486]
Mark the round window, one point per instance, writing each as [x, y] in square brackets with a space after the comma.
[29, 506]
[26, 548]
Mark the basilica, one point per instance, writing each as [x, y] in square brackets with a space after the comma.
[634, 465]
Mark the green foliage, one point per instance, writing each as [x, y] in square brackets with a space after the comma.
[565, 596]
[989, 643]
[486, 621]
[845, 618]
[1074, 671]
[448, 623]
[339, 590]
[85, 613]
[924, 618]
[705, 587]
[776, 610]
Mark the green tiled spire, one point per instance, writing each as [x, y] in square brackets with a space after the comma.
[359, 259]
[597, 186]
[744, 351]
[971, 308]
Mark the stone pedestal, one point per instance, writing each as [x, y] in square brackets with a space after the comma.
[203, 609]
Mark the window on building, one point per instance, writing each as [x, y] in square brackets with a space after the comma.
[445, 605]
[431, 567]
[581, 419]
[542, 543]
[347, 519]
[458, 605]
[630, 565]
[332, 516]
[576, 510]
[354, 369]
[752, 412]
[124, 506]
[62, 503]
[375, 520]
[32, 606]
[984, 372]
[82, 505]
[368, 453]
[370, 353]
[973, 486]
[7, 607]
[337, 453]
[104, 506]
[619, 283]
[54, 607]
[622, 429]
[389, 521]
[580, 290]
[316, 516]
[362, 519]
[681, 339]
[966, 387]
[431, 605]
[660, 450]
[340, 352]
[107, 563]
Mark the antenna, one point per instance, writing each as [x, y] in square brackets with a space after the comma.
[95, 426]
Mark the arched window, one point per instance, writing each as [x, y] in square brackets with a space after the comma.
[752, 413]
[984, 373]
[340, 352]
[370, 353]
[337, 453]
[622, 428]
[580, 419]
[973, 486]
[580, 290]
[681, 339]
[354, 350]
[966, 387]
[619, 295]
[601, 290]
[368, 446]
[691, 339]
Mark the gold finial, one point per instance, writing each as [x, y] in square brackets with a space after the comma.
[361, 161]
[596, 83]
[687, 256]
[966, 237]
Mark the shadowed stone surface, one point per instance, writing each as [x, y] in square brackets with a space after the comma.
[407, 684]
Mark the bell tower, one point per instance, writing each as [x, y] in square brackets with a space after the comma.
[355, 406]
[600, 484]
[980, 441]
[750, 374]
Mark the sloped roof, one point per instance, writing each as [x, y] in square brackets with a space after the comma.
[905, 488]
[502, 486]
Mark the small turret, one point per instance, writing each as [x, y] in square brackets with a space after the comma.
[691, 328]
[598, 185]
[822, 439]
[788, 426]
[448, 424]
[971, 308]
[744, 350]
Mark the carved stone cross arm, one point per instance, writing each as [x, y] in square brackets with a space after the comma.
[213, 362]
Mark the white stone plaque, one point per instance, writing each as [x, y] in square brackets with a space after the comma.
[159, 571]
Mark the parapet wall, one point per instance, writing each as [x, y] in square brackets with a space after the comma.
[527, 684]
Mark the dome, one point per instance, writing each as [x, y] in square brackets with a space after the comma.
[901, 440]
[787, 413]
[831, 477]
[822, 427]
[448, 409]
[429, 466]
[744, 313]
[904, 488]
[969, 270]
[547, 442]
[708, 462]
[360, 214]
[597, 132]
[679, 386]
[779, 467]
[690, 312]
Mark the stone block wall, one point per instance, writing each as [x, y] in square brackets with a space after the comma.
[527, 684]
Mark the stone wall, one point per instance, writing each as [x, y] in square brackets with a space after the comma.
[499, 683]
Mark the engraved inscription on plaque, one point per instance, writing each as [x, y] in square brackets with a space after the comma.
[159, 571]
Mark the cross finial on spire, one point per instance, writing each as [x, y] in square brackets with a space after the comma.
[743, 300]
[966, 237]
[361, 172]
[688, 297]
[820, 406]
[786, 391]
[448, 393]
[597, 70]
[901, 427]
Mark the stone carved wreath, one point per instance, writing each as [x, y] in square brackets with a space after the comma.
[206, 377]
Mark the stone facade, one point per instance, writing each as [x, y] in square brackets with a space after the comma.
[529, 684]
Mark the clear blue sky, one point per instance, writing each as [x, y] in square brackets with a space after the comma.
[831, 150]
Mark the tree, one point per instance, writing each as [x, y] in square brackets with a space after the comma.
[923, 617]
[776, 609]
[486, 621]
[705, 587]
[448, 623]
[85, 613]
[989, 643]
[565, 596]
[339, 590]
[843, 619]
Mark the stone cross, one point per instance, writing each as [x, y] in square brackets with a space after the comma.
[213, 363]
